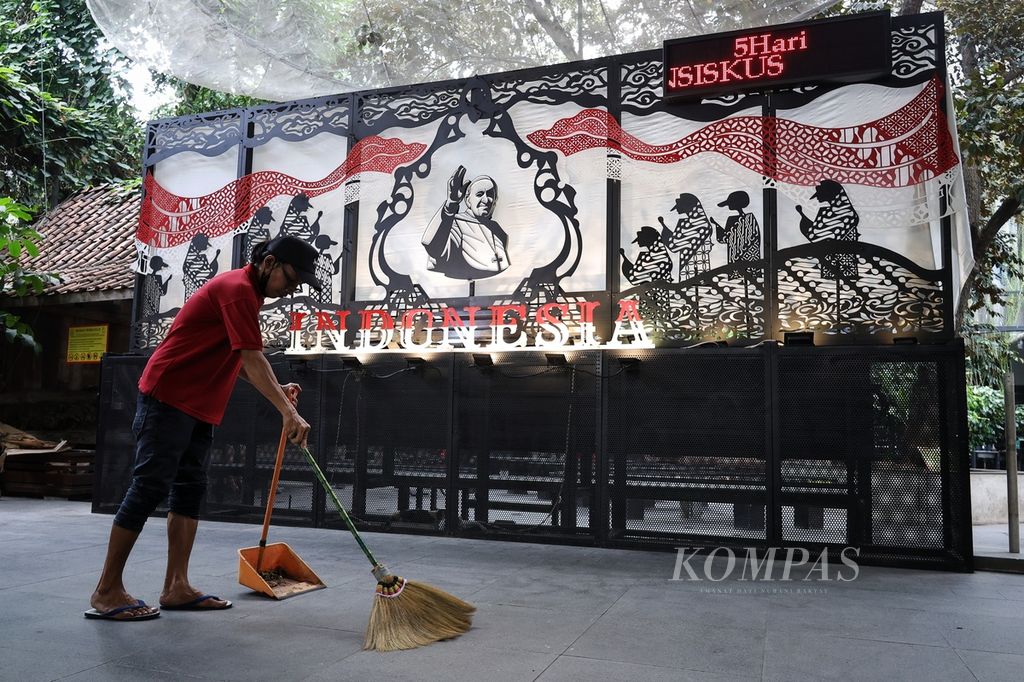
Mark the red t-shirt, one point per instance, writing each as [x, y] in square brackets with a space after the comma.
[195, 367]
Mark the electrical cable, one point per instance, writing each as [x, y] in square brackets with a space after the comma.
[523, 376]
[488, 527]
[556, 503]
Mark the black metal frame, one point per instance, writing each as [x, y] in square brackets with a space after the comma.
[523, 451]
[630, 81]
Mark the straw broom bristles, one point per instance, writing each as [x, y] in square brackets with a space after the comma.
[409, 614]
[405, 614]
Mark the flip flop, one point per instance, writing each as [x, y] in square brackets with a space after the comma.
[112, 613]
[194, 605]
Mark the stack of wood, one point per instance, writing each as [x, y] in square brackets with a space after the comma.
[33, 467]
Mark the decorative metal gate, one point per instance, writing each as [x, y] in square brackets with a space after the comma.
[832, 210]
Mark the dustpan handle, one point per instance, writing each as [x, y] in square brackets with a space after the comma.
[270, 497]
[338, 505]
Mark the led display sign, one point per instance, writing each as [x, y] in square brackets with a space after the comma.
[840, 49]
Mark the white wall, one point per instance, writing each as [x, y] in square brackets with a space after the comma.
[988, 496]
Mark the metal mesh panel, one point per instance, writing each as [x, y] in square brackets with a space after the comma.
[867, 448]
[115, 442]
[867, 439]
[808, 523]
[686, 441]
[527, 444]
[245, 447]
[385, 440]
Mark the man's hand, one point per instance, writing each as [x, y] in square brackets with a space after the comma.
[297, 428]
[292, 392]
[257, 370]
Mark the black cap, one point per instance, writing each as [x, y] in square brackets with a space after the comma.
[827, 190]
[736, 200]
[298, 254]
[649, 232]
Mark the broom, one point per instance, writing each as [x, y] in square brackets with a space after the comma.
[405, 614]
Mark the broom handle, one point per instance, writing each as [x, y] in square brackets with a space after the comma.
[270, 498]
[337, 503]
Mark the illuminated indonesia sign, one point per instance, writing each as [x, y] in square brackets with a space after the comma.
[472, 328]
[830, 50]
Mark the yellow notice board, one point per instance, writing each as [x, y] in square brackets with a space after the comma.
[87, 343]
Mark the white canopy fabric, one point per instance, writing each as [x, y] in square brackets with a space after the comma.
[283, 50]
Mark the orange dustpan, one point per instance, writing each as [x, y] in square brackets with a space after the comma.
[275, 570]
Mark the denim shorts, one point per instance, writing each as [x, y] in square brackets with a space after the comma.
[171, 453]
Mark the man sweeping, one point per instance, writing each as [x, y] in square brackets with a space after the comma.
[183, 393]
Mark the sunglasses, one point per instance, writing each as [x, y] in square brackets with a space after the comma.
[293, 280]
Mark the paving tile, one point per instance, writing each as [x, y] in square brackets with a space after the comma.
[584, 594]
[969, 630]
[725, 606]
[799, 654]
[497, 626]
[992, 667]
[669, 644]
[1012, 591]
[847, 616]
[346, 607]
[574, 668]
[451, 661]
[113, 672]
[253, 648]
[26, 665]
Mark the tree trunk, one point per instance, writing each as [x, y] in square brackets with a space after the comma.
[554, 29]
[981, 241]
[910, 7]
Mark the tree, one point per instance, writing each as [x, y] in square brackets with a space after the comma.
[989, 89]
[65, 124]
[65, 119]
[18, 237]
[192, 99]
[487, 37]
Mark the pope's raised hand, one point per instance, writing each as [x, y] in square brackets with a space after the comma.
[457, 185]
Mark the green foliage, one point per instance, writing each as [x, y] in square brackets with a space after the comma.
[991, 117]
[989, 353]
[986, 417]
[65, 120]
[986, 57]
[18, 241]
[1000, 264]
[65, 125]
[194, 99]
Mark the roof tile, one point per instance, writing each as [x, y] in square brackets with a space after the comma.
[89, 241]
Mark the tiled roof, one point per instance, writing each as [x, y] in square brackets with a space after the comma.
[89, 241]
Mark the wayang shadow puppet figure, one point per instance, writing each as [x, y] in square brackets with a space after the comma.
[741, 234]
[467, 244]
[295, 222]
[690, 239]
[326, 268]
[155, 287]
[258, 229]
[742, 238]
[653, 264]
[197, 268]
[837, 219]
